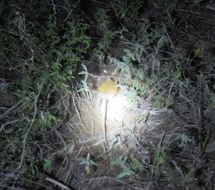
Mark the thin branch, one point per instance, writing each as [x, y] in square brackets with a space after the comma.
[10, 109]
[8, 123]
[29, 129]
[59, 184]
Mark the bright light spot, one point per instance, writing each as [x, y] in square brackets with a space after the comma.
[112, 111]
[117, 107]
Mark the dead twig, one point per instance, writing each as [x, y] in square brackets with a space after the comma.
[10, 109]
[57, 183]
[29, 129]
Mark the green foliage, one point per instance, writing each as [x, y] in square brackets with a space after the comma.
[136, 165]
[184, 139]
[30, 170]
[135, 75]
[159, 83]
[41, 50]
[162, 85]
[160, 156]
[159, 161]
[104, 26]
[47, 164]
[141, 66]
[189, 176]
[41, 55]
[103, 20]
[130, 166]
[126, 171]
[169, 5]
[128, 11]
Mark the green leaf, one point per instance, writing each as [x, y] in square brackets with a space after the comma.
[47, 164]
[136, 165]
[123, 174]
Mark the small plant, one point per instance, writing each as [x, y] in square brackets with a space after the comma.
[131, 166]
[126, 172]
[104, 25]
[184, 139]
[159, 161]
[84, 87]
[136, 165]
[189, 176]
[128, 12]
[47, 164]
[88, 163]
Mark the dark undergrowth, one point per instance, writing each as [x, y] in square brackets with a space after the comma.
[166, 48]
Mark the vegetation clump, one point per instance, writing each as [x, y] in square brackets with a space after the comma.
[163, 55]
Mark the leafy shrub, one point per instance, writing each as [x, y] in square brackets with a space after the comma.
[41, 53]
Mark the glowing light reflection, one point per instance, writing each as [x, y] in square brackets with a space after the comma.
[117, 107]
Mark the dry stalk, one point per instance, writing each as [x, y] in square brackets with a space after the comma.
[57, 183]
[29, 129]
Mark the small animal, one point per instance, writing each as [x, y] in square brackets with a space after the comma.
[109, 86]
